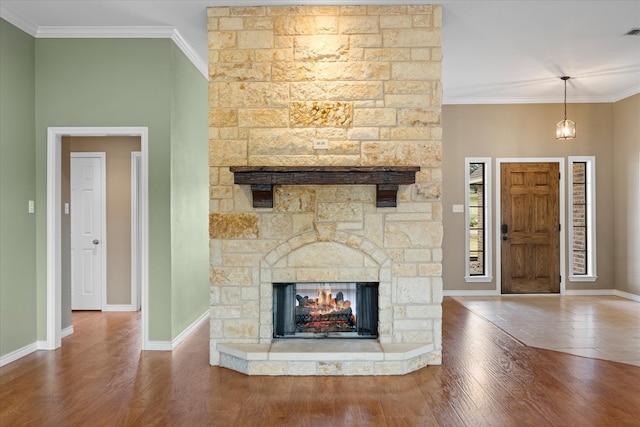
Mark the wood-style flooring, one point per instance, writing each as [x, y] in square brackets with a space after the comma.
[99, 377]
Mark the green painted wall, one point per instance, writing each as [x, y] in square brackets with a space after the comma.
[189, 193]
[114, 82]
[17, 187]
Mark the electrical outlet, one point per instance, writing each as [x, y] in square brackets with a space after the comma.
[320, 144]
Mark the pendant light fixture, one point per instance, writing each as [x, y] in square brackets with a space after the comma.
[565, 129]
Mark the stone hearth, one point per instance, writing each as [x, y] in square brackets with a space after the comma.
[365, 82]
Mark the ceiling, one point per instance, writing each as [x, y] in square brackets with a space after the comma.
[495, 52]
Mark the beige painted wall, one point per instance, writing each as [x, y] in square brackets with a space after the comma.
[118, 162]
[626, 180]
[524, 130]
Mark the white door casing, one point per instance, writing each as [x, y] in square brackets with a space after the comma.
[88, 231]
[53, 229]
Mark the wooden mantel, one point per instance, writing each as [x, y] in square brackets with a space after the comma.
[263, 178]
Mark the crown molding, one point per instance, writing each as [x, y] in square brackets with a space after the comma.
[147, 32]
[18, 21]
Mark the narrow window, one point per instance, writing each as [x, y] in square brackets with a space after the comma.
[477, 217]
[582, 260]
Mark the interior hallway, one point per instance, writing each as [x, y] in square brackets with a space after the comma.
[602, 327]
[100, 377]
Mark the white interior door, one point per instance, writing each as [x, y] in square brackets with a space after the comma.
[88, 216]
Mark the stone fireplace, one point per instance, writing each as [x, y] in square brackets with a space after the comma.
[329, 92]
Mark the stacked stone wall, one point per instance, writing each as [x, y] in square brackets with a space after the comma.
[367, 80]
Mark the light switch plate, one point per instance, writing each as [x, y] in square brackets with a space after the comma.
[458, 208]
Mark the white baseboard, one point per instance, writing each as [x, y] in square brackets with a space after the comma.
[119, 307]
[171, 345]
[589, 292]
[66, 331]
[17, 354]
[627, 295]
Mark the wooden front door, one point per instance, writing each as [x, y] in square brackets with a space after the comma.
[530, 227]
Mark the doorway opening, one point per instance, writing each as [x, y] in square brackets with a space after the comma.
[54, 224]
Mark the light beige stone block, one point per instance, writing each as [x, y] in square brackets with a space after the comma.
[396, 21]
[374, 117]
[294, 199]
[241, 328]
[293, 71]
[230, 24]
[340, 212]
[416, 70]
[220, 192]
[258, 23]
[406, 270]
[263, 117]
[240, 72]
[323, 254]
[275, 225]
[365, 41]
[386, 54]
[247, 11]
[344, 90]
[364, 70]
[222, 40]
[413, 234]
[274, 55]
[255, 39]
[418, 117]
[227, 153]
[402, 153]
[413, 290]
[254, 94]
[414, 37]
[230, 276]
[222, 117]
[431, 311]
[364, 24]
[327, 48]
[217, 11]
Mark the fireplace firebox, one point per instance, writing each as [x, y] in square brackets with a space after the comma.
[325, 310]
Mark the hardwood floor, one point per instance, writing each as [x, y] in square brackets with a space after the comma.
[100, 377]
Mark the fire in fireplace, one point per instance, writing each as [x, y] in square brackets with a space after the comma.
[325, 310]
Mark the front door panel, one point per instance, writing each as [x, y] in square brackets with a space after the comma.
[530, 215]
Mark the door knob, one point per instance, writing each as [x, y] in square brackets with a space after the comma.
[96, 241]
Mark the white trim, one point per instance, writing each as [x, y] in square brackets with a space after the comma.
[54, 166]
[17, 20]
[627, 295]
[190, 53]
[102, 156]
[171, 345]
[19, 353]
[589, 292]
[133, 32]
[462, 100]
[590, 172]
[135, 232]
[67, 331]
[488, 251]
[498, 211]
[190, 329]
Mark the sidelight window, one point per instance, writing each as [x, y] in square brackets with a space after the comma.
[582, 236]
[477, 217]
